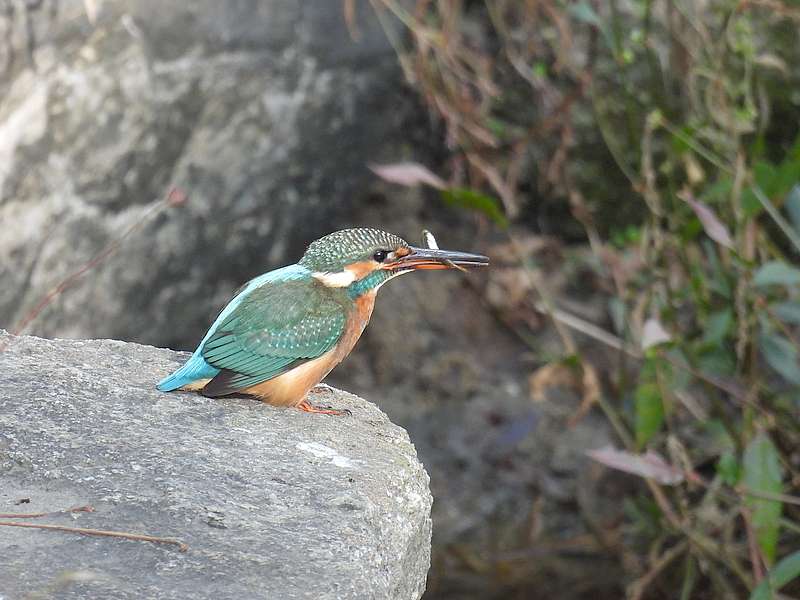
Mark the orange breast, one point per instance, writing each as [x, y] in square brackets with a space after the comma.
[291, 388]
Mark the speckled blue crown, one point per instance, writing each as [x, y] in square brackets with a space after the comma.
[332, 252]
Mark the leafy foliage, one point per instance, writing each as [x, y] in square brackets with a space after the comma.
[671, 133]
[784, 572]
[762, 474]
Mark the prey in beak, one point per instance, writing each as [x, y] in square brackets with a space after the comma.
[434, 258]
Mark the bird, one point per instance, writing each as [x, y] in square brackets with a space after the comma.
[285, 330]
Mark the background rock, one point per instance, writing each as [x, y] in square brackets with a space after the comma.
[265, 113]
[272, 502]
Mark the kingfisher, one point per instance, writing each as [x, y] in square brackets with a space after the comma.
[285, 330]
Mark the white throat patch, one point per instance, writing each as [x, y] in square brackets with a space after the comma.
[394, 275]
[340, 279]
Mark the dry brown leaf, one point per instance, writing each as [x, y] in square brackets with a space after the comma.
[694, 172]
[590, 390]
[560, 375]
[549, 376]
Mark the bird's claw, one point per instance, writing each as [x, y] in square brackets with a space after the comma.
[306, 406]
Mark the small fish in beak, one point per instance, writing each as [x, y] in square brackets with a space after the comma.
[430, 243]
[431, 257]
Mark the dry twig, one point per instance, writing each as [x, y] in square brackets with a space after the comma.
[100, 532]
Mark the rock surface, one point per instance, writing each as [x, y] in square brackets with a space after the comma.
[265, 113]
[273, 503]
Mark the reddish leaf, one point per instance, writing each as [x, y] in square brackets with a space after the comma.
[715, 228]
[408, 174]
[649, 465]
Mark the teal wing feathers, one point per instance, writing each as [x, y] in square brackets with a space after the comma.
[196, 368]
[275, 328]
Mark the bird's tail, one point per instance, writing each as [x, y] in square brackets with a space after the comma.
[195, 368]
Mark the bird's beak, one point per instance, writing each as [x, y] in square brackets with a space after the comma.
[433, 258]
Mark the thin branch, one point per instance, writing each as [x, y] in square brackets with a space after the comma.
[100, 533]
[756, 561]
[86, 508]
[588, 329]
[770, 496]
[782, 224]
[637, 589]
[546, 299]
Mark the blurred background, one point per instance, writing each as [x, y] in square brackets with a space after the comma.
[630, 166]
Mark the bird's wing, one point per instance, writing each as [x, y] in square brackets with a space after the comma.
[275, 328]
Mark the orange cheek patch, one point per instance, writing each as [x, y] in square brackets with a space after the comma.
[399, 253]
[361, 269]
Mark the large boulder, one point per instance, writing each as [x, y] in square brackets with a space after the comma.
[273, 503]
[264, 112]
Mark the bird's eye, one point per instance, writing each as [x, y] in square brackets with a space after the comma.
[380, 255]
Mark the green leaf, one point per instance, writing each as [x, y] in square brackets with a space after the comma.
[787, 569]
[792, 205]
[717, 360]
[719, 191]
[786, 179]
[470, 199]
[781, 355]
[644, 515]
[788, 312]
[766, 176]
[718, 281]
[762, 473]
[717, 326]
[583, 11]
[649, 412]
[680, 140]
[498, 127]
[720, 436]
[794, 151]
[751, 206]
[728, 468]
[680, 377]
[776, 273]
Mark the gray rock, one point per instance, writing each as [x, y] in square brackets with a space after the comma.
[266, 113]
[273, 503]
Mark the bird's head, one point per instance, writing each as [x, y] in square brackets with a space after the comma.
[363, 259]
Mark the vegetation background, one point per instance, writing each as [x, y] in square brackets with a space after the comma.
[665, 136]
[613, 409]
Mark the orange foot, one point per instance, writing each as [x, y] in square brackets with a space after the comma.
[306, 406]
